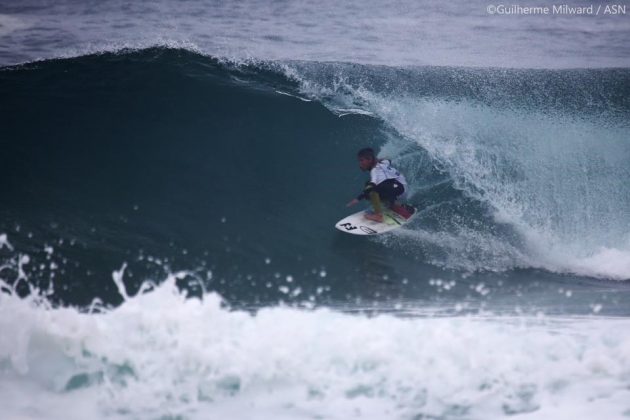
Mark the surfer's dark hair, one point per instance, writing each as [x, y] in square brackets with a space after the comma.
[366, 152]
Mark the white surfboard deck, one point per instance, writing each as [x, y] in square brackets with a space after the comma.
[357, 224]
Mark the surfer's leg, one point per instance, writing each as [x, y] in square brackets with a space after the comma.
[371, 193]
[377, 216]
[389, 191]
[375, 199]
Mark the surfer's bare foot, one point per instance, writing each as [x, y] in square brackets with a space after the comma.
[377, 217]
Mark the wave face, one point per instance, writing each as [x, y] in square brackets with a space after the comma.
[165, 149]
[207, 191]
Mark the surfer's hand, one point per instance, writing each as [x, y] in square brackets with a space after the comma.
[352, 203]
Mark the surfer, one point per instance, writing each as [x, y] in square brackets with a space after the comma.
[386, 185]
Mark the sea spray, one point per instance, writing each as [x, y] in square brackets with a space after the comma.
[162, 354]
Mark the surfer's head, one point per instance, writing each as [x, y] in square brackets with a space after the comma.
[367, 159]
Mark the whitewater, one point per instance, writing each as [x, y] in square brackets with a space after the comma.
[161, 355]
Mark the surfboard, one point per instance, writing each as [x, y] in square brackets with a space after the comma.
[357, 224]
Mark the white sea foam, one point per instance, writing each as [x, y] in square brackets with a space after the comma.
[160, 354]
[558, 181]
[4, 242]
[605, 262]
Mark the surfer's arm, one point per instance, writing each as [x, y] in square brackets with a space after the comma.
[364, 195]
[366, 191]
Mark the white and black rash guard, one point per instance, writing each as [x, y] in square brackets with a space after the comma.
[383, 171]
